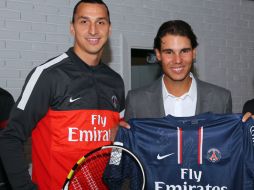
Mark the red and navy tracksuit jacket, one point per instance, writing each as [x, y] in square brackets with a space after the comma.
[69, 108]
[208, 152]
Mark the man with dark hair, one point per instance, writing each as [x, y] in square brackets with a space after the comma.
[248, 107]
[178, 92]
[175, 27]
[69, 105]
[6, 103]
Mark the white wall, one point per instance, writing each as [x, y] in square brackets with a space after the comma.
[32, 31]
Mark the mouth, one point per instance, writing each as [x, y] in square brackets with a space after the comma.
[177, 69]
[93, 41]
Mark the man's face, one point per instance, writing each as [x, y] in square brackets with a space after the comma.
[91, 29]
[176, 56]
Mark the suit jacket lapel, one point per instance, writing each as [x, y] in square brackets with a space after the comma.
[155, 94]
[202, 98]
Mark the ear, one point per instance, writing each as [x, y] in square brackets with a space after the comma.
[72, 30]
[158, 54]
[110, 29]
[194, 51]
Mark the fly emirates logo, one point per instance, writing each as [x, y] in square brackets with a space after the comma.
[97, 131]
[190, 174]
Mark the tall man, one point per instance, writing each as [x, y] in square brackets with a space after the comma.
[178, 92]
[68, 104]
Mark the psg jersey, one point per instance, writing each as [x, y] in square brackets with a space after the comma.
[204, 152]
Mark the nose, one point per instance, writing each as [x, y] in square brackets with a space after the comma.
[177, 58]
[92, 29]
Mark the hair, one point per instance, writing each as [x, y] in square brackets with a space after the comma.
[89, 1]
[175, 27]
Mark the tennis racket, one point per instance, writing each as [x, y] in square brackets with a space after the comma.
[109, 167]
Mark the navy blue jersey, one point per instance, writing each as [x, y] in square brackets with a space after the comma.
[204, 152]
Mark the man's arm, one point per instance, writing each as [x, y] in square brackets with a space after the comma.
[15, 164]
[28, 110]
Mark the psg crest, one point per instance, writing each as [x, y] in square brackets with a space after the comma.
[114, 101]
[213, 155]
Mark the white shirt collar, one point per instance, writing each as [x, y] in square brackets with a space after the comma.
[180, 106]
[192, 93]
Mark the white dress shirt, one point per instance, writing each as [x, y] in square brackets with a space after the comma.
[182, 106]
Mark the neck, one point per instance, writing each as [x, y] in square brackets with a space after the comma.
[89, 59]
[177, 88]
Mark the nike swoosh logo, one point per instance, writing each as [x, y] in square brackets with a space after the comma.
[164, 156]
[73, 100]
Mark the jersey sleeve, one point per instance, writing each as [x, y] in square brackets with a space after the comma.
[248, 129]
[30, 107]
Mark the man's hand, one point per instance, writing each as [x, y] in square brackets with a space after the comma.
[114, 130]
[247, 116]
[124, 124]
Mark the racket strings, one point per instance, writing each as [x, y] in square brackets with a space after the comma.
[89, 174]
[89, 178]
[75, 184]
[108, 168]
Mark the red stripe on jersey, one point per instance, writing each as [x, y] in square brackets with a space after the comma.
[180, 145]
[200, 145]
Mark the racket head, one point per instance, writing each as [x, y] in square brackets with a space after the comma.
[107, 167]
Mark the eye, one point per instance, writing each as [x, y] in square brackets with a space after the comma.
[101, 22]
[186, 51]
[83, 21]
[170, 52]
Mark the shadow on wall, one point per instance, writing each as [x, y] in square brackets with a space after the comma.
[107, 54]
[194, 69]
